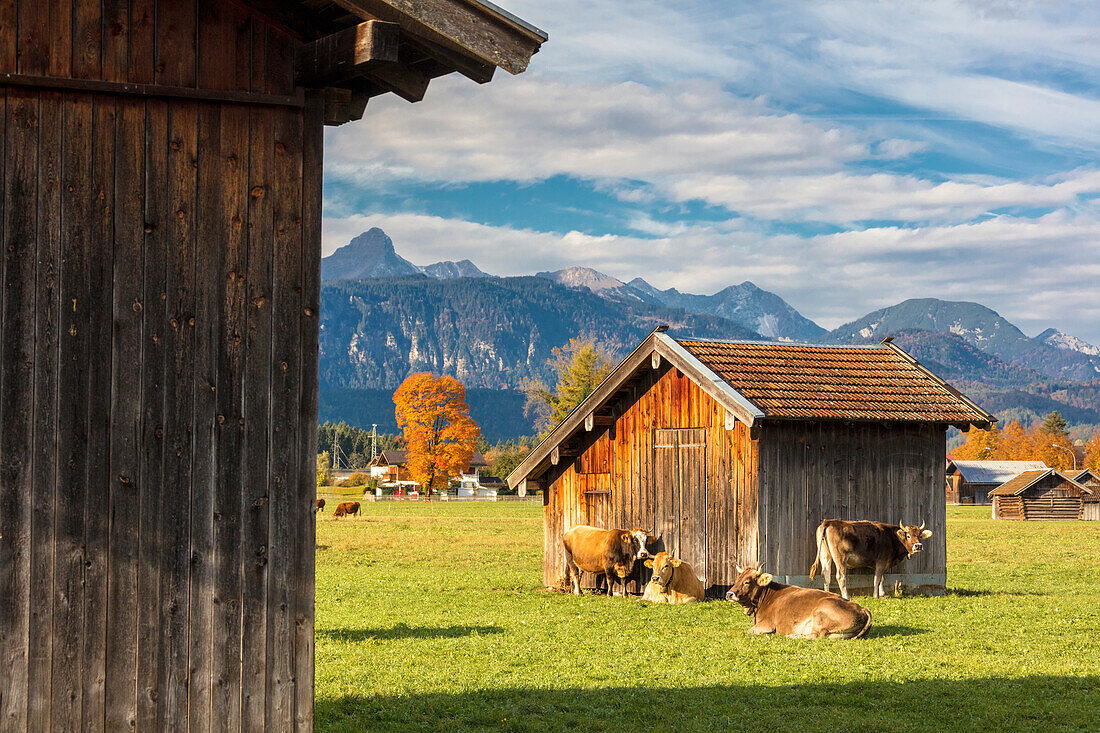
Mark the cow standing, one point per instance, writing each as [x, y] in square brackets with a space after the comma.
[321, 506]
[346, 509]
[798, 613]
[608, 551]
[864, 544]
[673, 581]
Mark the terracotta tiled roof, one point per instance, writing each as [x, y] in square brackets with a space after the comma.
[834, 382]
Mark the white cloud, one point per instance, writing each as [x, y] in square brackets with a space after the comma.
[530, 129]
[686, 141]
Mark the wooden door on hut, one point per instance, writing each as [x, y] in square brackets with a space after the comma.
[680, 459]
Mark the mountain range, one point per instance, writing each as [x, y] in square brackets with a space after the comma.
[371, 254]
[382, 318]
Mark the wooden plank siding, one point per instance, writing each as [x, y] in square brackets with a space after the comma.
[721, 497]
[714, 473]
[836, 470]
[158, 380]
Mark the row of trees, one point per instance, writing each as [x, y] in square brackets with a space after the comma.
[1048, 441]
[438, 434]
[352, 443]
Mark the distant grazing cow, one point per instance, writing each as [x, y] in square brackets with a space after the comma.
[800, 613]
[608, 551]
[673, 581]
[346, 509]
[321, 505]
[864, 544]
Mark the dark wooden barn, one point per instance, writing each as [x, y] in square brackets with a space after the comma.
[1034, 495]
[734, 452]
[969, 482]
[1090, 479]
[158, 339]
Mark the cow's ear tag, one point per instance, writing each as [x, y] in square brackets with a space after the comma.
[648, 563]
[764, 579]
[675, 562]
[901, 534]
[926, 534]
[626, 537]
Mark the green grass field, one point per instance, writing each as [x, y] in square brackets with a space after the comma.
[432, 617]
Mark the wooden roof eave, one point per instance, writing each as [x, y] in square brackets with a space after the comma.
[479, 31]
[538, 460]
[735, 403]
[657, 342]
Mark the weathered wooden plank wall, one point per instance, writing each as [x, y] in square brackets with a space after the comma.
[700, 495]
[834, 470]
[158, 378]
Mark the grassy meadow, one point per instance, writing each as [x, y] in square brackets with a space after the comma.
[432, 617]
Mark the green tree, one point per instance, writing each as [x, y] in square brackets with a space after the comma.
[504, 458]
[578, 367]
[1055, 424]
[324, 469]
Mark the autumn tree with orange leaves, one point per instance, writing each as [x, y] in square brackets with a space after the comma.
[435, 419]
[1092, 452]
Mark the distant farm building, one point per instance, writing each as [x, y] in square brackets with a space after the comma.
[1090, 479]
[969, 482]
[1033, 495]
[390, 466]
[733, 452]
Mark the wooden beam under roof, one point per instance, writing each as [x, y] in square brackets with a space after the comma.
[466, 27]
[346, 54]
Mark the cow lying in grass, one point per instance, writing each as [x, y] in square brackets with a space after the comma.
[799, 613]
[673, 581]
[346, 509]
[608, 551]
[864, 544]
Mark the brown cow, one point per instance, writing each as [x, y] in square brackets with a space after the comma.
[321, 505]
[673, 581]
[608, 551]
[864, 544]
[346, 509]
[798, 613]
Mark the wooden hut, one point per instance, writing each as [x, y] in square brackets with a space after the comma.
[1039, 495]
[158, 339]
[1090, 479]
[733, 452]
[969, 482]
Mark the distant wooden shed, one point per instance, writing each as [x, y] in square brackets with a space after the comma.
[733, 452]
[1039, 495]
[160, 260]
[1090, 479]
[969, 482]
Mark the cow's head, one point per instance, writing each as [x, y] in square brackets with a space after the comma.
[911, 536]
[748, 588]
[664, 567]
[640, 539]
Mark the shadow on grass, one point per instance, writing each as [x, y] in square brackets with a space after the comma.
[401, 631]
[968, 593]
[893, 630]
[990, 703]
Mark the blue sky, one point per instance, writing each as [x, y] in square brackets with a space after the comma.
[843, 155]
